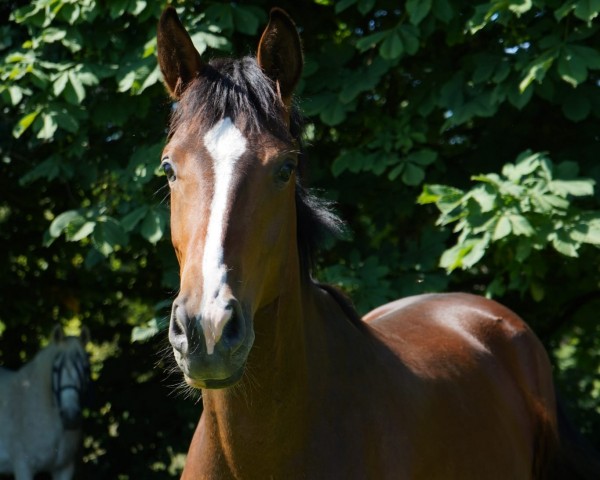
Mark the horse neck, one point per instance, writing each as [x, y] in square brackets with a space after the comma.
[36, 376]
[273, 409]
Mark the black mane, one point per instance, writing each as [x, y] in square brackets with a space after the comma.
[239, 89]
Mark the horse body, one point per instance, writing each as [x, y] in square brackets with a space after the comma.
[364, 401]
[33, 437]
[294, 384]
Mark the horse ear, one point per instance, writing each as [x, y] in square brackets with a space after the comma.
[280, 53]
[178, 59]
[57, 334]
[84, 336]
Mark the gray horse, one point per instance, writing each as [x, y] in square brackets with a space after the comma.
[40, 410]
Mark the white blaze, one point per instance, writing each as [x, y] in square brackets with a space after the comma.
[226, 145]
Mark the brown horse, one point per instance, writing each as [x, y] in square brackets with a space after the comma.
[294, 383]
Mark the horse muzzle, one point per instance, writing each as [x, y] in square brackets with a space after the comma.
[71, 419]
[210, 347]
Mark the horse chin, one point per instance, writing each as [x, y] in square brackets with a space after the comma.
[212, 383]
[71, 422]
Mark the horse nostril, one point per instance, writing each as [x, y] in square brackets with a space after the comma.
[234, 329]
[176, 325]
[177, 330]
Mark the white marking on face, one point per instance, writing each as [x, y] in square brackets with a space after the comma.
[226, 145]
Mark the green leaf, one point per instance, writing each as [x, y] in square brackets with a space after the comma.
[577, 188]
[397, 170]
[130, 220]
[502, 229]
[108, 235]
[333, 113]
[142, 333]
[440, 193]
[154, 225]
[464, 255]
[571, 67]
[486, 197]
[78, 229]
[363, 80]
[25, 123]
[481, 16]
[392, 47]
[370, 41]
[203, 40]
[118, 8]
[422, 157]
[365, 6]
[49, 169]
[537, 70]
[48, 127]
[75, 82]
[564, 10]
[442, 9]
[66, 121]
[62, 221]
[342, 5]
[60, 83]
[417, 10]
[520, 6]
[50, 35]
[410, 38]
[587, 10]
[563, 244]
[352, 160]
[484, 67]
[519, 98]
[328, 106]
[244, 19]
[575, 106]
[537, 291]
[413, 174]
[590, 57]
[520, 225]
[15, 93]
[592, 231]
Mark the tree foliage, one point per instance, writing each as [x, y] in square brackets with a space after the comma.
[485, 111]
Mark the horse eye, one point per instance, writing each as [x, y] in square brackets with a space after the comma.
[168, 168]
[285, 172]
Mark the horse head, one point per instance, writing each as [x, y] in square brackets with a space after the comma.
[231, 163]
[70, 375]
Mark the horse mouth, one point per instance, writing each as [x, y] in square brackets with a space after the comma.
[212, 383]
[71, 422]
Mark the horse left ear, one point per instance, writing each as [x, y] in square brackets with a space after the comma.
[178, 59]
[280, 54]
[57, 334]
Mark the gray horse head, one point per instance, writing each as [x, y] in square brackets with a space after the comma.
[70, 376]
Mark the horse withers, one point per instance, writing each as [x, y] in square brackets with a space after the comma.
[41, 409]
[294, 384]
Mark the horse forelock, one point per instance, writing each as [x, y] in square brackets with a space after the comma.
[238, 89]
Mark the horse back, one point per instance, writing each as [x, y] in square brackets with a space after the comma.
[5, 374]
[431, 331]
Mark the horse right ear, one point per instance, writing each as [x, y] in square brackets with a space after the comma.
[280, 54]
[178, 59]
[57, 334]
